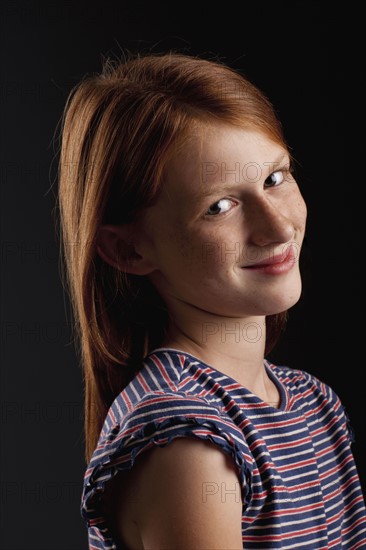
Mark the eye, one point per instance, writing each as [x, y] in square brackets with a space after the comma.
[219, 207]
[276, 178]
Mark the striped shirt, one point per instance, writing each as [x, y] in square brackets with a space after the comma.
[299, 484]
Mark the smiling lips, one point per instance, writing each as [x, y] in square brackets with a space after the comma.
[277, 265]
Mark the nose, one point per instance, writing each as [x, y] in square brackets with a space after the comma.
[268, 223]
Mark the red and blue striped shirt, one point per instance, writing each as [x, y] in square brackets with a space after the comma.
[299, 483]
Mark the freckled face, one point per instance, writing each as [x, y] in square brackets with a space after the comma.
[229, 202]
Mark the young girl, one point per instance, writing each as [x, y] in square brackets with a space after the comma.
[182, 226]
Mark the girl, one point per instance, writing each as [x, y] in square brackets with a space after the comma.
[182, 226]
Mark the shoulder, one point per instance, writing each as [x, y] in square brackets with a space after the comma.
[310, 394]
[304, 383]
[169, 387]
[162, 403]
[163, 371]
[157, 419]
[156, 437]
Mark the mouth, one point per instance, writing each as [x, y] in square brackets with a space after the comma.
[278, 264]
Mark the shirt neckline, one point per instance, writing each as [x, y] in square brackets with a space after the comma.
[267, 365]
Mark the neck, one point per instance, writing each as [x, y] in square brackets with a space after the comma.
[234, 346]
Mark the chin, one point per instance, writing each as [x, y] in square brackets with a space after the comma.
[284, 301]
[276, 299]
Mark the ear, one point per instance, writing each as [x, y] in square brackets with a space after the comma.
[115, 245]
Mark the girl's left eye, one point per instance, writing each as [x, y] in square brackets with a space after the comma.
[219, 207]
[276, 178]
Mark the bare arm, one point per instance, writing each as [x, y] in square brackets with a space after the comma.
[186, 496]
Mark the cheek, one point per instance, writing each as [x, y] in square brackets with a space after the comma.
[298, 211]
[195, 250]
[302, 212]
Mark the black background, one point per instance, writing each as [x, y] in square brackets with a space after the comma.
[308, 59]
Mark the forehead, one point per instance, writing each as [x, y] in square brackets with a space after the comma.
[212, 154]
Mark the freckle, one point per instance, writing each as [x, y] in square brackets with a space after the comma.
[183, 246]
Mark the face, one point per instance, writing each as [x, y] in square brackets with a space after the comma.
[226, 232]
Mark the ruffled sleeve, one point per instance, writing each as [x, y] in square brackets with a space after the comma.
[156, 419]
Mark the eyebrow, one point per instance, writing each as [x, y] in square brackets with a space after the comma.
[214, 190]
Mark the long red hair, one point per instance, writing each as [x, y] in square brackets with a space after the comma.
[117, 131]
